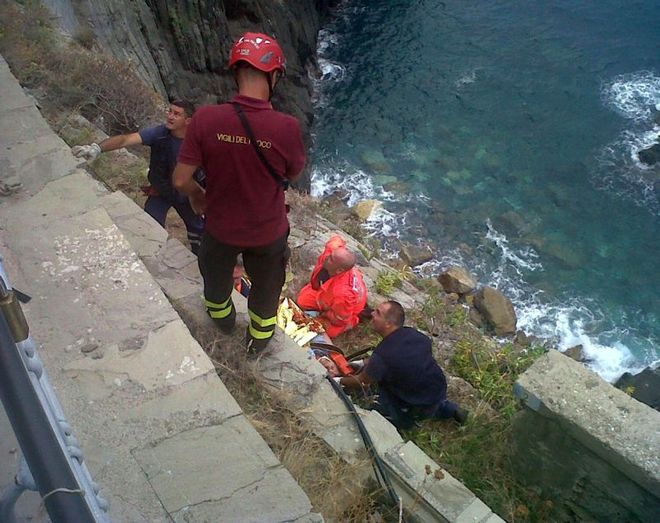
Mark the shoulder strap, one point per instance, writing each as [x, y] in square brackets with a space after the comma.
[248, 129]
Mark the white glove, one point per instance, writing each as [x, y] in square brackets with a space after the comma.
[337, 379]
[356, 364]
[88, 152]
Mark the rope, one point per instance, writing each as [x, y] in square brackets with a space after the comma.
[376, 461]
[62, 489]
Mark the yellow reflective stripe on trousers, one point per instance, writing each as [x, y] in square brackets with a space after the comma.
[219, 314]
[212, 305]
[259, 335]
[267, 322]
[219, 310]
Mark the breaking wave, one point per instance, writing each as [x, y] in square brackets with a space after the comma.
[636, 97]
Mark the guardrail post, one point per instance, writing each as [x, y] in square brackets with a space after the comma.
[52, 462]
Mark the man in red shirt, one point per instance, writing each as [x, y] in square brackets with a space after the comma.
[336, 289]
[248, 151]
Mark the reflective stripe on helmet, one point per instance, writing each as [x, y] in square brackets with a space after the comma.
[260, 51]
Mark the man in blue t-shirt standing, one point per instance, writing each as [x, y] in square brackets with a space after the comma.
[165, 141]
[411, 384]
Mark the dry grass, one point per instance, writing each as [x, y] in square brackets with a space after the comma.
[331, 484]
[71, 77]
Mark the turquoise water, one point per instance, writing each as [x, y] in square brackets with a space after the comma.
[503, 133]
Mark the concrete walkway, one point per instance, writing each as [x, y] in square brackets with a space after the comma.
[160, 432]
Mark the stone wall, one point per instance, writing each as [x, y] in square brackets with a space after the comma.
[586, 445]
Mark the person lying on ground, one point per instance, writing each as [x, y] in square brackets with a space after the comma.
[411, 384]
[336, 289]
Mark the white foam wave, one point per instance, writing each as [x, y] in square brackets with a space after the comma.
[520, 260]
[386, 224]
[469, 77]
[331, 71]
[326, 41]
[567, 323]
[634, 95]
[355, 185]
[618, 169]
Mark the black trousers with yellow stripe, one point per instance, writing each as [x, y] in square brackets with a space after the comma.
[266, 267]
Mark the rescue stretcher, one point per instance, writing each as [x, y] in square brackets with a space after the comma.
[306, 332]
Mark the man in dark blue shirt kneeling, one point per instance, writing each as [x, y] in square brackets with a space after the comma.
[411, 384]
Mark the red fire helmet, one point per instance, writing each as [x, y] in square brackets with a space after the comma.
[260, 51]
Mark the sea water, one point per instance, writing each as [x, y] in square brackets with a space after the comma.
[504, 134]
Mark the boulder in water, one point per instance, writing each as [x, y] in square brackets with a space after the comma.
[366, 209]
[458, 280]
[414, 255]
[645, 386]
[576, 353]
[497, 310]
[375, 161]
[651, 155]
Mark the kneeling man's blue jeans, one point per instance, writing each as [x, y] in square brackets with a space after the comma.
[405, 416]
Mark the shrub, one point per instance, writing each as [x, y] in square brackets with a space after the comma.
[84, 35]
[387, 281]
[492, 371]
[74, 78]
[110, 89]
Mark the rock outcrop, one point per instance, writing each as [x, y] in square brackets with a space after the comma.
[650, 155]
[181, 47]
[497, 310]
[415, 255]
[458, 280]
[644, 387]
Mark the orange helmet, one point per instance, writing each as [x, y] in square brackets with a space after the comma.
[260, 51]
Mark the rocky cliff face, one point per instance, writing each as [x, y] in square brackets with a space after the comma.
[181, 46]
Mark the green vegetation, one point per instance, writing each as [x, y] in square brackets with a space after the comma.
[630, 390]
[438, 314]
[365, 252]
[387, 281]
[480, 452]
[390, 279]
[75, 136]
[493, 371]
[479, 455]
[74, 78]
[127, 176]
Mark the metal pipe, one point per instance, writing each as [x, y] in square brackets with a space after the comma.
[11, 310]
[62, 495]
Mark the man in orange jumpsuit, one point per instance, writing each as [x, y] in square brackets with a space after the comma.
[336, 289]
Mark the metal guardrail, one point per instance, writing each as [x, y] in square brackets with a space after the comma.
[52, 461]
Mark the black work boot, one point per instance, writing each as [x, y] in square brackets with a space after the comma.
[253, 345]
[226, 325]
[461, 415]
